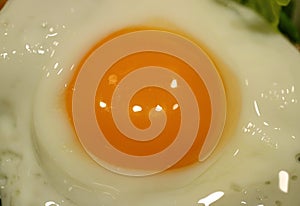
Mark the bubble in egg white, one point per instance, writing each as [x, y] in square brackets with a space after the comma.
[43, 163]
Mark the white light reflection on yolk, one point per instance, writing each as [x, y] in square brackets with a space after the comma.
[175, 106]
[283, 181]
[213, 197]
[158, 108]
[102, 104]
[137, 108]
[174, 84]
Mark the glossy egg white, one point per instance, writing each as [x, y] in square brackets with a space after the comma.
[42, 163]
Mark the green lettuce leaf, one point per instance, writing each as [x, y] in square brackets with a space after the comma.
[269, 9]
[278, 13]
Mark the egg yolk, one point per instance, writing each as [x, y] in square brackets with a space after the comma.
[146, 91]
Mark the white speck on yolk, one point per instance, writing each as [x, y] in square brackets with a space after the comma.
[137, 108]
[102, 104]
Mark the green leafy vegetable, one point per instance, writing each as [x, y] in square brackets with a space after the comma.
[269, 9]
[278, 13]
[287, 27]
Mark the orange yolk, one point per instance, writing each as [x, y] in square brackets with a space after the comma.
[146, 99]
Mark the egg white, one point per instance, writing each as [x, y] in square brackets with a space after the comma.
[41, 163]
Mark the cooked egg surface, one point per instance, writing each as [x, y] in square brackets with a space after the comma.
[44, 50]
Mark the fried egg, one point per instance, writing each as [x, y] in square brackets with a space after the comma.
[146, 103]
